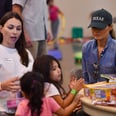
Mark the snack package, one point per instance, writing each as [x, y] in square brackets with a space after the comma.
[101, 93]
[109, 77]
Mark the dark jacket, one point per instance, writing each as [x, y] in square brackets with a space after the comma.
[5, 6]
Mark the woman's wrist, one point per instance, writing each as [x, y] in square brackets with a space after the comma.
[74, 91]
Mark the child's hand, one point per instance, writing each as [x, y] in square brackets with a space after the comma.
[77, 100]
[76, 84]
[78, 107]
[72, 82]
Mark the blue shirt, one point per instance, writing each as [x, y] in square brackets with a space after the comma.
[92, 67]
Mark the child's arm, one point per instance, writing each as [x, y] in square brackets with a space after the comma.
[77, 85]
[61, 14]
[68, 110]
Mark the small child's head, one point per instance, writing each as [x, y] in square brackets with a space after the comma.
[32, 87]
[76, 73]
[49, 67]
[32, 82]
[50, 2]
[51, 70]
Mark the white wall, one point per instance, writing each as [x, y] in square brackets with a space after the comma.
[77, 12]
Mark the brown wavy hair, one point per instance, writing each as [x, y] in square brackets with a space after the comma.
[20, 44]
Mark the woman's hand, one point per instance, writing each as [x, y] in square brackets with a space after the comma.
[10, 85]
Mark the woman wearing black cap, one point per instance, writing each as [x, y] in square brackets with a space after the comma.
[99, 54]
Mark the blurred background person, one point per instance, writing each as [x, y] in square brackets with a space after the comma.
[35, 17]
[99, 54]
[54, 13]
[5, 6]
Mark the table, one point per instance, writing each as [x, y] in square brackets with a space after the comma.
[96, 110]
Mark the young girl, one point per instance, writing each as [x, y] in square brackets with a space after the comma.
[50, 67]
[54, 13]
[35, 104]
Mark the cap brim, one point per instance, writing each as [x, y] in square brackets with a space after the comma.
[97, 25]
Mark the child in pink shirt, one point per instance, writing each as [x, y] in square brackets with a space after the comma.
[35, 104]
[54, 12]
[49, 106]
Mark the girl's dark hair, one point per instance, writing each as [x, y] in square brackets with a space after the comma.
[32, 84]
[43, 65]
[20, 44]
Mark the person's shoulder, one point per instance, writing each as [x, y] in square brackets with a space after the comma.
[28, 51]
[19, 2]
[49, 85]
[51, 104]
[48, 99]
[23, 102]
[54, 7]
[1, 46]
[112, 43]
[50, 90]
[89, 43]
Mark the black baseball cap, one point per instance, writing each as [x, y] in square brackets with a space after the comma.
[100, 19]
